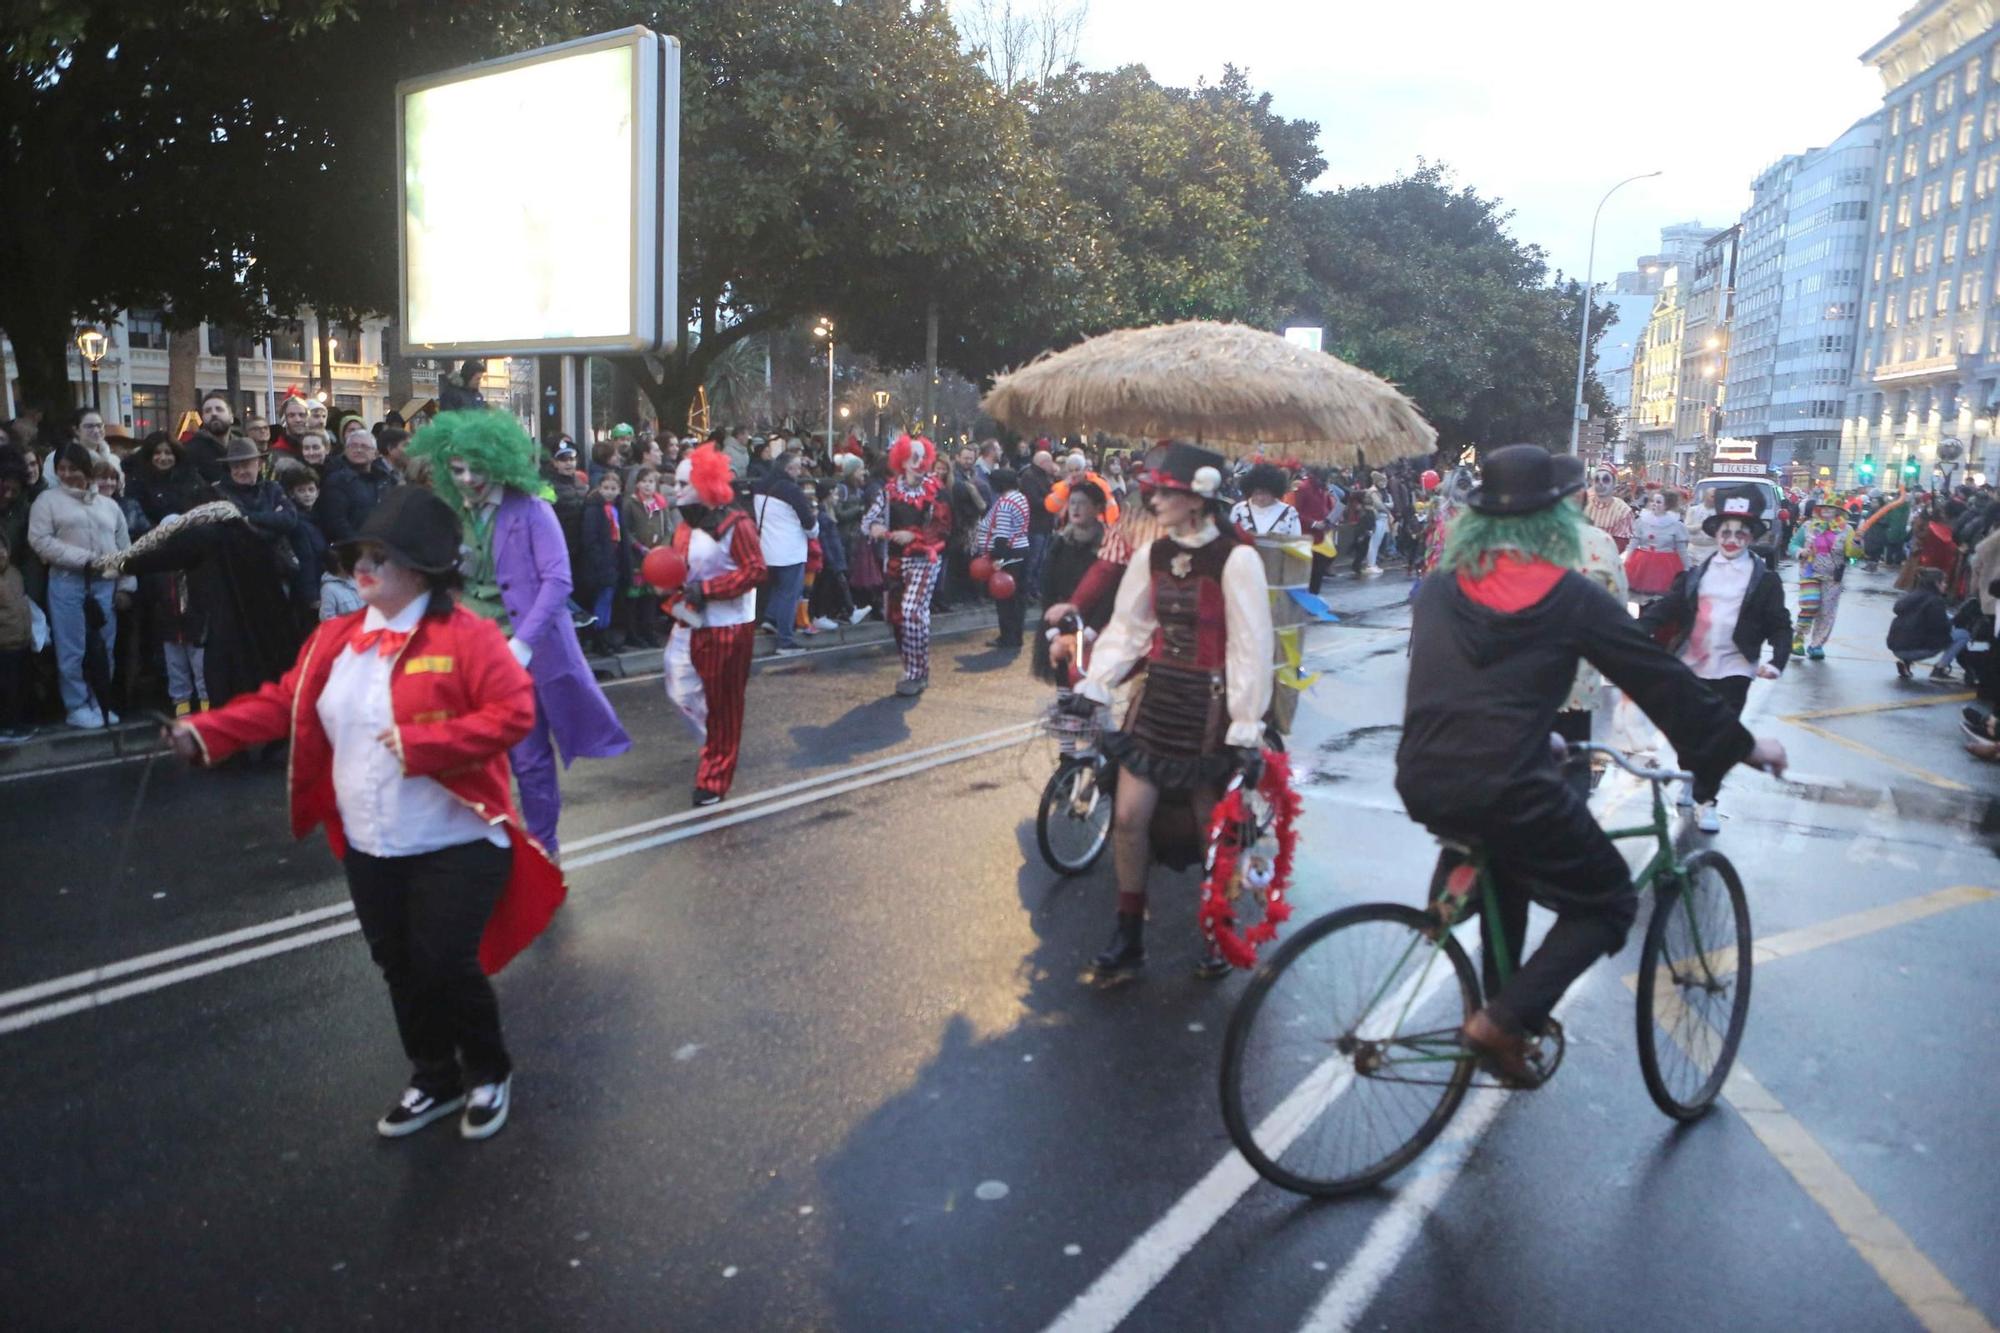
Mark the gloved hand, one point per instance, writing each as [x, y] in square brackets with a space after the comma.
[522, 652]
[694, 597]
[1079, 705]
[1250, 763]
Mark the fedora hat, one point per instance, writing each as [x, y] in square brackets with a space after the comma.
[415, 526]
[1188, 468]
[1517, 479]
[241, 449]
[1744, 502]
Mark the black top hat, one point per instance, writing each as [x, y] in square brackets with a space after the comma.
[1189, 468]
[1744, 502]
[415, 526]
[1517, 479]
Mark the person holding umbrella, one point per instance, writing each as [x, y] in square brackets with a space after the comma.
[400, 718]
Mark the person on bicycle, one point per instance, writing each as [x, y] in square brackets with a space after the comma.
[1195, 607]
[1495, 643]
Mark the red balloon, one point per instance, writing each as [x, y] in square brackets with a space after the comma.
[664, 568]
[1001, 585]
[982, 568]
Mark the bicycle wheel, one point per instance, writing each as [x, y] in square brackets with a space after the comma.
[1694, 986]
[1074, 821]
[1342, 1060]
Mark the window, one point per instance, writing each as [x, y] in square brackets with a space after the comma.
[288, 341]
[1874, 312]
[1889, 167]
[1940, 148]
[1896, 115]
[1958, 187]
[1944, 95]
[1895, 261]
[1990, 124]
[1950, 243]
[1917, 304]
[1916, 110]
[145, 330]
[1968, 290]
[1909, 159]
[219, 340]
[1926, 249]
[347, 344]
[1903, 210]
[1972, 79]
[1978, 234]
[1879, 257]
[1944, 298]
[149, 409]
[1965, 131]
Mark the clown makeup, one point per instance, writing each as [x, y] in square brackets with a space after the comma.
[1602, 481]
[383, 583]
[471, 485]
[1657, 502]
[1732, 537]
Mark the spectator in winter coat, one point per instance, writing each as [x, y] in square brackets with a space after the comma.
[786, 520]
[206, 446]
[16, 645]
[309, 542]
[354, 485]
[1922, 628]
[603, 565]
[70, 527]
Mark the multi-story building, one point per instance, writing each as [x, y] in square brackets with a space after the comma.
[1679, 244]
[1927, 370]
[135, 378]
[1710, 306]
[1616, 352]
[1799, 291]
[1656, 379]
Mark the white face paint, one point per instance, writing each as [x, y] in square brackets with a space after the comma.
[1732, 537]
[684, 492]
[474, 486]
[1602, 482]
[1657, 503]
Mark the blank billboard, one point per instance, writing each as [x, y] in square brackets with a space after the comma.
[577, 254]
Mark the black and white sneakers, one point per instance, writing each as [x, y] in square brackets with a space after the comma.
[415, 1109]
[486, 1109]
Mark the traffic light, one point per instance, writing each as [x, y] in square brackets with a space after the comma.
[1865, 469]
[1910, 470]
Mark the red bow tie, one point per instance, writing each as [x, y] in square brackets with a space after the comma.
[387, 642]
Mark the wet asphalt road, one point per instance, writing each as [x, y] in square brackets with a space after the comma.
[833, 1066]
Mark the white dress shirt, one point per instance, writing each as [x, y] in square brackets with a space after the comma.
[382, 812]
[1711, 646]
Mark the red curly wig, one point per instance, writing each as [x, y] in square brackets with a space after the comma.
[900, 453]
[708, 473]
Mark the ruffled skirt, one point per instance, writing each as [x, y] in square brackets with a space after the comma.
[1651, 573]
[1175, 735]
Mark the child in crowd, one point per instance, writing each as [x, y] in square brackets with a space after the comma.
[602, 566]
[308, 539]
[338, 596]
[648, 522]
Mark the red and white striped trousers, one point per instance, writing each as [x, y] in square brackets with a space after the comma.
[708, 674]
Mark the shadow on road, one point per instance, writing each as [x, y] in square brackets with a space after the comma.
[879, 724]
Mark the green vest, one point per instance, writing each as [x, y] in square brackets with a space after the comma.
[482, 584]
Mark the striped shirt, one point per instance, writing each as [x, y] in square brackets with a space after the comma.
[1005, 522]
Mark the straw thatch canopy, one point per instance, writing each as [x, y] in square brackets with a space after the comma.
[1228, 386]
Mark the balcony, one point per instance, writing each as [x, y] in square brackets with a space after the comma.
[1930, 367]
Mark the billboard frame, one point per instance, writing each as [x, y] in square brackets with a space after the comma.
[654, 303]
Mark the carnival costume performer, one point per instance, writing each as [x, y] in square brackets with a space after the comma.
[399, 718]
[1721, 615]
[1195, 607]
[707, 658]
[1496, 639]
[1071, 554]
[1822, 547]
[1659, 549]
[1597, 560]
[517, 575]
[1263, 511]
[914, 513]
[1606, 511]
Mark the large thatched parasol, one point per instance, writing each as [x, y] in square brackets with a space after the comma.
[1224, 385]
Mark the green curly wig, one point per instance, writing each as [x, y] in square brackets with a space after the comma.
[1476, 540]
[492, 444]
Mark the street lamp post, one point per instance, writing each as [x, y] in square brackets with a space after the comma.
[1589, 286]
[881, 405]
[93, 345]
[824, 329]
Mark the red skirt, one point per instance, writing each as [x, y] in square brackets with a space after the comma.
[1651, 572]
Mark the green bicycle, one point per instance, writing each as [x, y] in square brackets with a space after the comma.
[1342, 1060]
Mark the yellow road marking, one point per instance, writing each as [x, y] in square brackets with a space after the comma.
[1808, 722]
[1932, 1297]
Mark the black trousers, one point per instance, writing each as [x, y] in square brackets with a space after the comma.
[1732, 690]
[1319, 568]
[1551, 851]
[422, 917]
[1573, 724]
[1013, 611]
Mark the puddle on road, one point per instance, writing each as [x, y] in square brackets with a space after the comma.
[1974, 812]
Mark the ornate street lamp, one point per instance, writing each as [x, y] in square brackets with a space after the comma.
[93, 345]
[881, 406]
[824, 329]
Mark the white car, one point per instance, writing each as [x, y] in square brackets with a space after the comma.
[1706, 492]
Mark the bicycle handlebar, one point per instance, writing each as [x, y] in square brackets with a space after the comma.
[1618, 757]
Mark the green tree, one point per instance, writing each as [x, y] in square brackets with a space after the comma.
[1421, 283]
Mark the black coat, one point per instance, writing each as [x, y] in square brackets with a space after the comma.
[1763, 620]
[347, 496]
[1485, 687]
[1922, 623]
[1036, 485]
[601, 561]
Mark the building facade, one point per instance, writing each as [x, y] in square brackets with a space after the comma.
[1801, 280]
[1928, 370]
[135, 375]
[1705, 330]
[1656, 379]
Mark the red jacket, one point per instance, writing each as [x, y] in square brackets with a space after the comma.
[459, 700]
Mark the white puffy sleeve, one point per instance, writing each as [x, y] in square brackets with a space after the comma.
[1129, 634]
[1246, 601]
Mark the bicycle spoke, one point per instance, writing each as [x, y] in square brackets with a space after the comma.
[1696, 964]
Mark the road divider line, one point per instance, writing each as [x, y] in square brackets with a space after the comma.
[146, 961]
[27, 1018]
[757, 805]
[1017, 731]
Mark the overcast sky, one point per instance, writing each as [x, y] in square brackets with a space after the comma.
[1543, 103]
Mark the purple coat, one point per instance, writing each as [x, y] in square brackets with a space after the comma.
[532, 566]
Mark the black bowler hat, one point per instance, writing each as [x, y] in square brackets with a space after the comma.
[1517, 479]
[1189, 468]
[1570, 473]
[415, 526]
[1744, 502]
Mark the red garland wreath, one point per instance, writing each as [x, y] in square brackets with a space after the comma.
[1218, 918]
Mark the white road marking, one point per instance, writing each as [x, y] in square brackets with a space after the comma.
[753, 806]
